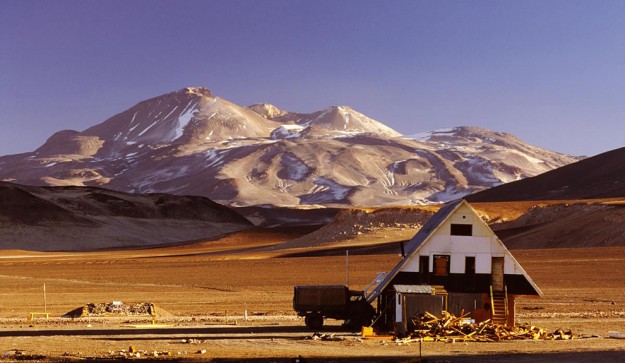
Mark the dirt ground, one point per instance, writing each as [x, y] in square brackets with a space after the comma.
[203, 298]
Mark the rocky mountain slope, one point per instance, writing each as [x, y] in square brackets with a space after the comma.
[191, 142]
[563, 225]
[600, 176]
[585, 205]
[87, 218]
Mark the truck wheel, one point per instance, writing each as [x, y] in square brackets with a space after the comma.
[314, 321]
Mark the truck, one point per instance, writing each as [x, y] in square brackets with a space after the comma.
[319, 302]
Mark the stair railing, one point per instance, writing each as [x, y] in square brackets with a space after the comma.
[506, 300]
[492, 301]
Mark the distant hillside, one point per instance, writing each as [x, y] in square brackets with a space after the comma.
[594, 223]
[601, 176]
[86, 218]
[591, 212]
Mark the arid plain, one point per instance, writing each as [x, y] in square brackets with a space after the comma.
[203, 290]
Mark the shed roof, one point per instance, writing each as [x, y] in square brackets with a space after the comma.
[414, 289]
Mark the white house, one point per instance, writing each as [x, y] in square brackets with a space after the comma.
[455, 263]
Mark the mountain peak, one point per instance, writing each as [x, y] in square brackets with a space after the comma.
[345, 118]
[199, 91]
[460, 131]
[267, 110]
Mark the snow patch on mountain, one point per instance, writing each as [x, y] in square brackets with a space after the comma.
[325, 191]
[427, 135]
[293, 168]
[184, 119]
[215, 158]
[145, 130]
[478, 171]
[287, 132]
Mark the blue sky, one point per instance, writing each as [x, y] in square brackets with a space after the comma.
[550, 72]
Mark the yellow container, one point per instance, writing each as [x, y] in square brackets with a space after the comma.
[366, 331]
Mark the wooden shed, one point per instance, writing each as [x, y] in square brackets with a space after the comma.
[457, 251]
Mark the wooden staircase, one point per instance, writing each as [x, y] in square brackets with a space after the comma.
[499, 306]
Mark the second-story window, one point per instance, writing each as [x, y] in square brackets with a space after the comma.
[461, 229]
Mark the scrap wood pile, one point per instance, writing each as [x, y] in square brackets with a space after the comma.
[451, 328]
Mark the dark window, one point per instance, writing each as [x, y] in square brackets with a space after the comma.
[469, 273]
[441, 265]
[424, 267]
[462, 229]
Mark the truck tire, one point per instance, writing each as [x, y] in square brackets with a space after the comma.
[314, 321]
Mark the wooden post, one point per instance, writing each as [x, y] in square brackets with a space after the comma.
[347, 267]
[45, 301]
[420, 341]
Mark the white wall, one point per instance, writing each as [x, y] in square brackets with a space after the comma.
[398, 310]
[483, 245]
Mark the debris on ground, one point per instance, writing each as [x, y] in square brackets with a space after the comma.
[17, 354]
[192, 341]
[324, 337]
[132, 352]
[450, 328]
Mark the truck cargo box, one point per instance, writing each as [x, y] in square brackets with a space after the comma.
[333, 297]
[316, 303]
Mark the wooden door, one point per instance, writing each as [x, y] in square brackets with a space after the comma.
[497, 273]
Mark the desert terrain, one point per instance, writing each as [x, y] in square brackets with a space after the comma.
[203, 290]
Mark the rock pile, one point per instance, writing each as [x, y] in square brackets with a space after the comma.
[115, 308]
[118, 308]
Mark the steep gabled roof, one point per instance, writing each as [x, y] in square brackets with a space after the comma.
[424, 234]
[431, 226]
[413, 245]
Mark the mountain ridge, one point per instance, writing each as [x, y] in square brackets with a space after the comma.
[193, 142]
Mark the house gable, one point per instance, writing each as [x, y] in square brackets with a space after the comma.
[454, 241]
[482, 244]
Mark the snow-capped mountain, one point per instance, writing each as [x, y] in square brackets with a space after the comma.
[192, 142]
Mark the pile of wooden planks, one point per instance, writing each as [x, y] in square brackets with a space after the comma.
[450, 328]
